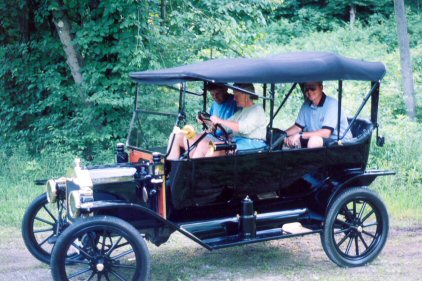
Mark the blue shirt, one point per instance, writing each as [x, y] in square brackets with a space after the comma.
[224, 110]
[323, 116]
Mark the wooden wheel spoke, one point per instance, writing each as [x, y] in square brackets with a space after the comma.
[349, 245]
[43, 230]
[79, 272]
[343, 239]
[363, 241]
[347, 213]
[45, 240]
[369, 225]
[368, 215]
[90, 277]
[357, 245]
[49, 212]
[124, 266]
[343, 223]
[117, 275]
[122, 255]
[44, 221]
[103, 242]
[106, 276]
[369, 234]
[73, 261]
[354, 208]
[113, 246]
[362, 210]
[83, 252]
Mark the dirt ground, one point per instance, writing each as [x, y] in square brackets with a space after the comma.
[288, 259]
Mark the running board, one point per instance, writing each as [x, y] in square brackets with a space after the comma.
[264, 235]
[229, 227]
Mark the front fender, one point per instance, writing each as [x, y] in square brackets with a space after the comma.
[102, 205]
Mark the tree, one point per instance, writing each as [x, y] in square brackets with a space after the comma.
[405, 59]
[74, 58]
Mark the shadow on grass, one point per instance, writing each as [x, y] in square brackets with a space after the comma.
[181, 259]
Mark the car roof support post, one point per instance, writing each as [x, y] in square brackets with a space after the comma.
[264, 90]
[340, 94]
[272, 94]
[181, 118]
[204, 93]
[285, 99]
[136, 96]
[365, 100]
[374, 102]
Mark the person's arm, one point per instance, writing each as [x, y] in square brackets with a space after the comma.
[292, 135]
[323, 133]
[232, 125]
[293, 132]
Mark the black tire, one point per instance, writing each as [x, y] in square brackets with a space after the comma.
[41, 224]
[108, 248]
[354, 237]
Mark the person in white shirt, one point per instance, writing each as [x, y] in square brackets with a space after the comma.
[248, 125]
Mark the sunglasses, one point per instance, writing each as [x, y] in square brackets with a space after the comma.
[310, 88]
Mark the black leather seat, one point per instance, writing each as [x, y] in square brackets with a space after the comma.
[278, 140]
[361, 130]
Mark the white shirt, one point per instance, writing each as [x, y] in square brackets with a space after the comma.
[252, 122]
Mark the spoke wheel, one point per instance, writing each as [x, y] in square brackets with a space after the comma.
[107, 248]
[41, 225]
[356, 228]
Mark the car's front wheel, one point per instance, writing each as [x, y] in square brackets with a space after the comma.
[41, 225]
[356, 227]
[107, 248]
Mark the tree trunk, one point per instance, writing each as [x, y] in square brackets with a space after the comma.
[405, 59]
[352, 18]
[74, 58]
[163, 13]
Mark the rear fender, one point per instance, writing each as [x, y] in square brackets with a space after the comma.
[364, 179]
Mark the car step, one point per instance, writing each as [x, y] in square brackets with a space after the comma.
[227, 227]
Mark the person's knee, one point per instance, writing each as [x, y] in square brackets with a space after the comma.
[315, 141]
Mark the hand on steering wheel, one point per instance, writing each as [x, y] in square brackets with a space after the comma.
[204, 118]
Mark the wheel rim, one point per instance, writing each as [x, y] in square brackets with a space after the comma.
[357, 229]
[101, 254]
[46, 223]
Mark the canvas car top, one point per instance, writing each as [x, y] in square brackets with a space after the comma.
[281, 68]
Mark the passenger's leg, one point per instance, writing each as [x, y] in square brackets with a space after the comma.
[315, 141]
[175, 145]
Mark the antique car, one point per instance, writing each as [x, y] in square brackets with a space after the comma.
[94, 225]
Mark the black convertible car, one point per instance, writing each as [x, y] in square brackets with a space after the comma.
[93, 226]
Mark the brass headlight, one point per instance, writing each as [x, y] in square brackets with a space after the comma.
[51, 190]
[74, 204]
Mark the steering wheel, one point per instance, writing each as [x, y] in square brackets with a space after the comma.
[211, 128]
[205, 118]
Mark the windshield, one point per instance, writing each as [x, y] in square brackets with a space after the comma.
[156, 114]
[150, 130]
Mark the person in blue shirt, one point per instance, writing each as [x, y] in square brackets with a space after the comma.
[316, 124]
[224, 105]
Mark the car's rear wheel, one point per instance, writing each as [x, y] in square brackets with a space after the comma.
[108, 248]
[356, 227]
[41, 225]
